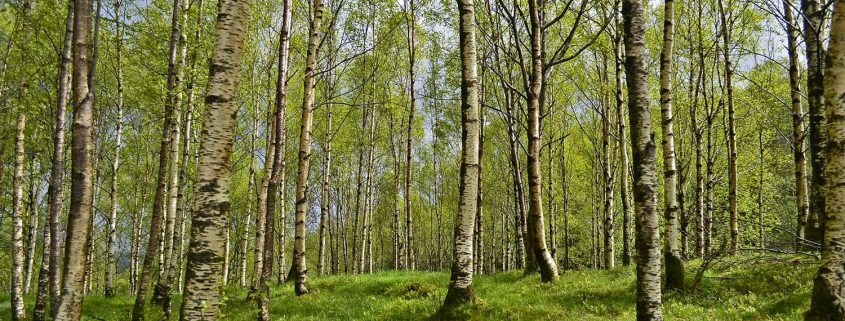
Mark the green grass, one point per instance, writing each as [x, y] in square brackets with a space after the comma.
[743, 288]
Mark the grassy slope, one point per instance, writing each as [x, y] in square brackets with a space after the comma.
[744, 288]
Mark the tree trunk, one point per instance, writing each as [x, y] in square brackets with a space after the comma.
[397, 225]
[82, 184]
[358, 190]
[201, 300]
[623, 148]
[409, 218]
[224, 279]
[261, 210]
[478, 250]
[551, 206]
[710, 114]
[184, 205]
[163, 288]
[32, 228]
[802, 200]
[608, 182]
[301, 286]
[163, 165]
[18, 311]
[694, 89]
[366, 262]
[460, 283]
[244, 239]
[111, 249]
[827, 301]
[276, 181]
[524, 259]
[535, 225]
[564, 185]
[324, 199]
[366, 224]
[674, 264]
[732, 152]
[135, 242]
[813, 15]
[55, 190]
[644, 157]
[761, 241]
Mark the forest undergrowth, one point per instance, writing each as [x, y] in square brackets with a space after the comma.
[746, 287]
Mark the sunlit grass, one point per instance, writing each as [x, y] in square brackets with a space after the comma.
[743, 288]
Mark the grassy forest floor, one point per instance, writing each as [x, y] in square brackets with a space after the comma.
[763, 287]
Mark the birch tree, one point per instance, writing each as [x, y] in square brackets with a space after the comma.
[828, 296]
[672, 257]
[460, 283]
[82, 170]
[306, 124]
[201, 299]
[18, 311]
[644, 158]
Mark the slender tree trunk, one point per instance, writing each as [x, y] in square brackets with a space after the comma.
[813, 15]
[608, 178]
[164, 288]
[564, 174]
[674, 264]
[32, 227]
[261, 210]
[623, 148]
[163, 165]
[694, 89]
[111, 249]
[201, 300]
[535, 225]
[551, 206]
[479, 215]
[460, 284]
[645, 159]
[18, 311]
[185, 205]
[802, 200]
[732, 152]
[244, 246]
[524, 259]
[55, 190]
[276, 181]
[358, 190]
[324, 202]
[397, 225]
[366, 262]
[710, 114]
[409, 218]
[40, 309]
[827, 301]
[82, 184]
[366, 225]
[761, 241]
[135, 242]
[301, 286]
